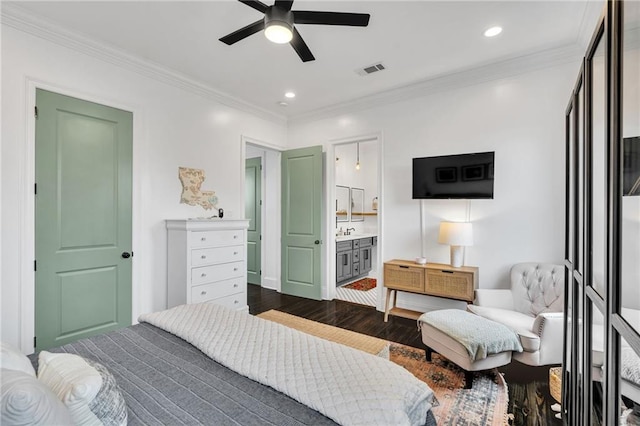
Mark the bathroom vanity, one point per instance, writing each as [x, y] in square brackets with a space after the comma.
[354, 255]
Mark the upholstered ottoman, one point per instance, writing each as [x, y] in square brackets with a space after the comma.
[470, 341]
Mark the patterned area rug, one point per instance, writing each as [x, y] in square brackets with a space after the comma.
[483, 405]
[364, 284]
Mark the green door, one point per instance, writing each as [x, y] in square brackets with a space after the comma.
[252, 212]
[83, 219]
[301, 224]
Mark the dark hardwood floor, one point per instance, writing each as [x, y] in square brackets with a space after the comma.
[360, 318]
[528, 386]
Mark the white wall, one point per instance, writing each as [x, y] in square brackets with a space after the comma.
[521, 119]
[172, 127]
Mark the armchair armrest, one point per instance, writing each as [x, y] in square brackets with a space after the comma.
[550, 327]
[494, 298]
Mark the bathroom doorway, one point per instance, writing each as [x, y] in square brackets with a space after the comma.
[357, 224]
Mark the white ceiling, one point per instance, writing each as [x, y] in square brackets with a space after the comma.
[415, 40]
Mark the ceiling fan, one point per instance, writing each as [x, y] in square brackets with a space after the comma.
[278, 24]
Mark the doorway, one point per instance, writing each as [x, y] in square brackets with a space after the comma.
[356, 221]
[253, 212]
[284, 225]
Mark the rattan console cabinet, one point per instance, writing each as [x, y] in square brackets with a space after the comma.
[432, 279]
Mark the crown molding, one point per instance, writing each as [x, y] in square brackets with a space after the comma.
[18, 18]
[467, 77]
[22, 20]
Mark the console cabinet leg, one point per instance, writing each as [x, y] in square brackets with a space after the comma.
[386, 304]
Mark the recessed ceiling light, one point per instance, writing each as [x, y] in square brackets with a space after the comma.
[283, 104]
[290, 95]
[493, 31]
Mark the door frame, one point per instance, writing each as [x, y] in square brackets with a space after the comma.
[330, 236]
[271, 224]
[26, 252]
[257, 201]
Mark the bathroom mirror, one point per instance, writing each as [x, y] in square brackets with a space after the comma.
[357, 205]
[342, 203]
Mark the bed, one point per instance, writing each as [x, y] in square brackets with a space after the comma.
[166, 380]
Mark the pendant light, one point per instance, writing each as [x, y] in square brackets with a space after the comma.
[358, 156]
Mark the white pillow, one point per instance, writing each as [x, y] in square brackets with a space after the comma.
[86, 387]
[12, 359]
[27, 401]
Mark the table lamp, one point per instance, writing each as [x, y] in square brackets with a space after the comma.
[457, 235]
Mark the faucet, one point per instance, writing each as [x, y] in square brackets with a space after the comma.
[349, 229]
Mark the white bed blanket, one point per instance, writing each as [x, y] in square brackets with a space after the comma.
[347, 385]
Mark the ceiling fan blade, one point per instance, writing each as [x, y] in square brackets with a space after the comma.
[242, 33]
[301, 47]
[256, 4]
[331, 18]
[284, 5]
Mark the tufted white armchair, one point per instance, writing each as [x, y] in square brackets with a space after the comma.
[532, 307]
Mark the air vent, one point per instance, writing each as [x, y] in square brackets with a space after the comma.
[371, 69]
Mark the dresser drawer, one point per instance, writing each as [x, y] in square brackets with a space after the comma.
[452, 284]
[401, 277]
[212, 256]
[205, 292]
[216, 238]
[235, 301]
[208, 274]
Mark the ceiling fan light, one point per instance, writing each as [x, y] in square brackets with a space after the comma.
[278, 32]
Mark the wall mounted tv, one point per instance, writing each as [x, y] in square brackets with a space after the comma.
[465, 176]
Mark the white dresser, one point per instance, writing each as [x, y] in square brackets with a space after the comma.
[207, 262]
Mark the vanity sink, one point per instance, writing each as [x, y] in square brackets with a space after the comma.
[353, 237]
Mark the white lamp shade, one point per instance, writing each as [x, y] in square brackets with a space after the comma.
[456, 233]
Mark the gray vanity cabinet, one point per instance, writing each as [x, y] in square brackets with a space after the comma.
[354, 258]
[366, 249]
[344, 260]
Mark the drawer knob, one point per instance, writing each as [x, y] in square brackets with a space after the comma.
[235, 286]
[235, 252]
[235, 302]
[235, 269]
[203, 293]
[203, 239]
[235, 237]
[203, 257]
[203, 275]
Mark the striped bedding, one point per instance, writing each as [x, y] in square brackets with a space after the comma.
[167, 381]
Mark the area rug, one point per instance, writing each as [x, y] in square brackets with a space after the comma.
[365, 343]
[483, 405]
[364, 284]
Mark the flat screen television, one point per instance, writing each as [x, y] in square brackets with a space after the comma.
[466, 176]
